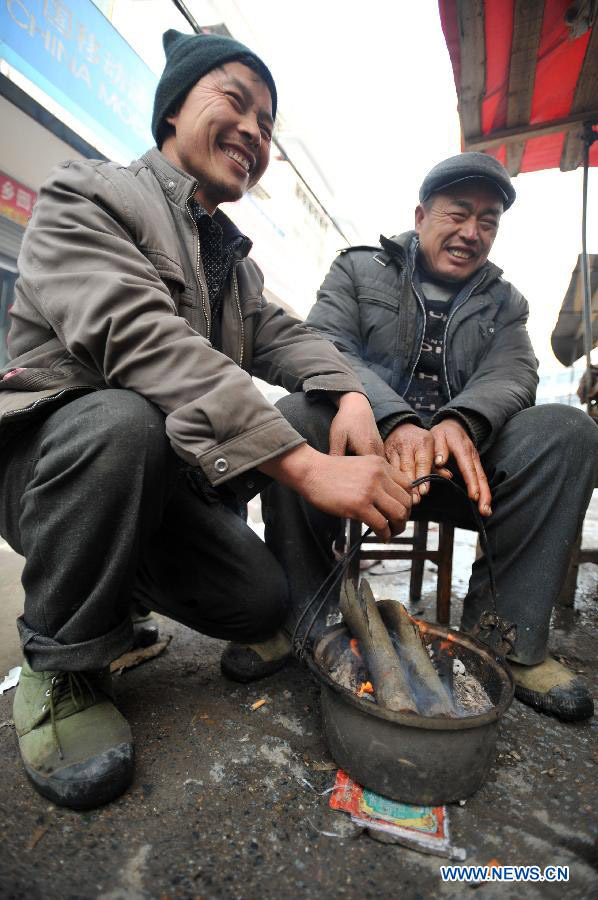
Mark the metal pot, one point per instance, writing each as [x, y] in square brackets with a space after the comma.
[408, 757]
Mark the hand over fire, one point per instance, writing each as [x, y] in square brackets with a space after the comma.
[365, 488]
[418, 452]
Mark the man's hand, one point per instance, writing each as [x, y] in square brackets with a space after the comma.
[451, 439]
[365, 488]
[354, 428]
[411, 449]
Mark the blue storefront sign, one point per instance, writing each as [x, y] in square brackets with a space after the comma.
[73, 53]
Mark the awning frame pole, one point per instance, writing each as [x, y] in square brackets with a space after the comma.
[589, 136]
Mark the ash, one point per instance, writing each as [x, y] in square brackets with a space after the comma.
[469, 694]
[350, 673]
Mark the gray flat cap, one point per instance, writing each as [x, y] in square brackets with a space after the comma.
[464, 167]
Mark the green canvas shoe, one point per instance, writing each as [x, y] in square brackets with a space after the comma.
[76, 747]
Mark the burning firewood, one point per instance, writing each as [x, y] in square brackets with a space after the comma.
[432, 697]
[349, 668]
[361, 615]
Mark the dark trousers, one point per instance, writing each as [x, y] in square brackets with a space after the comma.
[542, 469]
[103, 511]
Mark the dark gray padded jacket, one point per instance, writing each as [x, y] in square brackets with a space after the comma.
[369, 308]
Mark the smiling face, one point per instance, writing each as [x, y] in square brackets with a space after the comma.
[222, 134]
[457, 228]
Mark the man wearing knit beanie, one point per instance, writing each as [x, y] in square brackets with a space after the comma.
[208, 81]
[138, 320]
[188, 58]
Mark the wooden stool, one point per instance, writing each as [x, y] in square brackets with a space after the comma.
[416, 549]
[578, 556]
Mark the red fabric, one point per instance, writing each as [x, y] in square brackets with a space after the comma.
[500, 153]
[558, 66]
[542, 152]
[499, 31]
[448, 19]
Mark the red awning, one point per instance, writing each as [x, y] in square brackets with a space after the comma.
[526, 73]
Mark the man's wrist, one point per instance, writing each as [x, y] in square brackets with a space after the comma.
[347, 398]
[387, 425]
[292, 467]
[475, 424]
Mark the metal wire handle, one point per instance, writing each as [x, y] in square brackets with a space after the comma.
[342, 565]
[479, 523]
[328, 584]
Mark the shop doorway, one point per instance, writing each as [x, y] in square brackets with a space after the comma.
[7, 286]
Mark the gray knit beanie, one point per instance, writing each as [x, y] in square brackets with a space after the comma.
[466, 166]
[188, 58]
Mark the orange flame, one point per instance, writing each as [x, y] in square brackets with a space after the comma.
[354, 645]
[365, 688]
[445, 643]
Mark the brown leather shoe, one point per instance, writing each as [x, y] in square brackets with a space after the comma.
[551, 688]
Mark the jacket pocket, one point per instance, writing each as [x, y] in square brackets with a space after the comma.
[374, 297]
[171, 273]
[167, 268]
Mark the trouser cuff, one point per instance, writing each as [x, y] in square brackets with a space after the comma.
[528, 656]
[531, 644]
[47, 654]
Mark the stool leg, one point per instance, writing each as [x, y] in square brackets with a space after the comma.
[445, 573]
[420, 542]
[567, 595]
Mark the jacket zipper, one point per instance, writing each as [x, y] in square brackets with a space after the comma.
[42, 400]
[421, 343]
[236, 287]
[197, 274]
[449, 320]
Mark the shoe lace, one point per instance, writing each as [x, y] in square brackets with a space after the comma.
[66, 689]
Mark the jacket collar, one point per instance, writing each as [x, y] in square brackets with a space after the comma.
[398, 247]
[179, 187]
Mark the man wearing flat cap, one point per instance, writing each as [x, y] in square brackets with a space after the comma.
[439, 341]
[130, 428]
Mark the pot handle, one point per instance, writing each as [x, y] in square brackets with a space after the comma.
[490, 629]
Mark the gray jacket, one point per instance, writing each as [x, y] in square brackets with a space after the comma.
[112, 293]
[369, 308]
